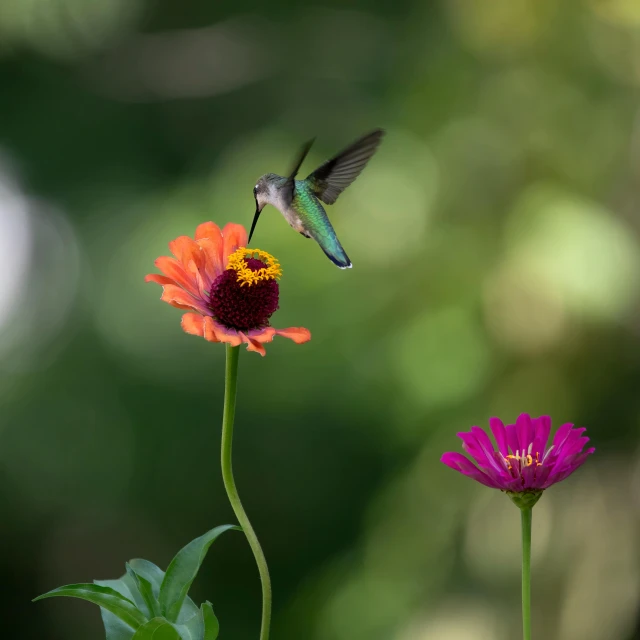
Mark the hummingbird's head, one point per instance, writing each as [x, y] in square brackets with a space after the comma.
[263, 191]
[263, 194]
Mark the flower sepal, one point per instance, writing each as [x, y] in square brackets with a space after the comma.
[524, 499]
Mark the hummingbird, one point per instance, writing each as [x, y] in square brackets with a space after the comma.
[299, 201]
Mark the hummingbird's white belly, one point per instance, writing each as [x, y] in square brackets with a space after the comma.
[294, 221]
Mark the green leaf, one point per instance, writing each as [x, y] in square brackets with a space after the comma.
[150, 572]
[124, 585]
[104, 597]
[127, 586]
[146, 591]
[211, 624]
[183, 570]
[189, 624]
[155, 575]
[114, 628]
[157, 629]
[193, 629]
[188, 611]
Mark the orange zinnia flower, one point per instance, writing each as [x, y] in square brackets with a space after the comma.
[230, 290]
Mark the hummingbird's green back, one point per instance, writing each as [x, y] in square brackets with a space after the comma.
[317, 224]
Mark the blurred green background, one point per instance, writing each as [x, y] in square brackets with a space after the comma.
[495, 242]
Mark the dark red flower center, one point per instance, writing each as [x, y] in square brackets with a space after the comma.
[240, 305]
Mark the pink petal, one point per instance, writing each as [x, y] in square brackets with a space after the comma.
[543, 428]
[524, 429]
[484, 457]
[512, 438]
[578, 461]
[487, 448]
[569, 443]
[461, 464]
[542, 474]
[529, 477]
[576, 445]
[500, 434]
[471, 446]
[561, 435]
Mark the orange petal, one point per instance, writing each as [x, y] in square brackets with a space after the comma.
[176, 271]
[224, 334]
[235, 236]
[179, 298]
[261, 335]
[297, 334]
[209, 230]
[179, 246]
[204, 286]
[156, 277]
[253, 345]
[212, 252]
[193, 323]
[209, 330]
[209, 238]
[186, 249]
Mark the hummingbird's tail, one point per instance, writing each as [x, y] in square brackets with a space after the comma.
[322, 232]
[338, 256]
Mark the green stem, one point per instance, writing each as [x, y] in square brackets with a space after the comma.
[527, 516]
[231, 379]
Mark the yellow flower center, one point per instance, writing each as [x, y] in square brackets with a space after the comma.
[521, 461]
[247, 275]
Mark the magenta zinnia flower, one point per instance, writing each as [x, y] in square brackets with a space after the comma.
[522, 463]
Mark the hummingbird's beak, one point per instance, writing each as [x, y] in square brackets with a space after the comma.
[256, 215]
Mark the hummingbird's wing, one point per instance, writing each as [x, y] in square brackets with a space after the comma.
[290, 185]
[329, 180]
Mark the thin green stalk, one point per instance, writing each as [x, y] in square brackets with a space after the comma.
[527, 516]
[231, 379]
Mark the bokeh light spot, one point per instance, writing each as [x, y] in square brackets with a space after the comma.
[65, 28]
[577, 249]
[457, 619]
[40, 279]
[523, 314]
[442, 357]
[499, 26]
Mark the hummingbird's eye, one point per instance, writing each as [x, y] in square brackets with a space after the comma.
[255, 191]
